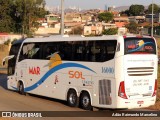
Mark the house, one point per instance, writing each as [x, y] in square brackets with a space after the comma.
[70, 25]
[93, 29]
[108, 25]
[72, 17]
[156, 18]
[55, 29]
[137, 19]
[85, 18]
[121, 21]
[42, 20]
[49, 25]
[52, 18]
[115, 13]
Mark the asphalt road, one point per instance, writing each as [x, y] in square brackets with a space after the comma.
[13, 101]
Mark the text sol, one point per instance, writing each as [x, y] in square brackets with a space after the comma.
[76, 74]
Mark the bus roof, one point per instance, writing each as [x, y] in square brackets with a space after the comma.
[18, 41]
[138, 36]
[57, 38]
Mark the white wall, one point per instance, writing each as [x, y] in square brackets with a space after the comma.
[10, 37]
[87, 30]
[47, 31]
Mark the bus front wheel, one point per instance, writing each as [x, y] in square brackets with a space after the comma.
[85, 101]
[21, 88]
[72, 98]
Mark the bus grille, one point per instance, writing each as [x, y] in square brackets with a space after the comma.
[140, 71]
[105, 92]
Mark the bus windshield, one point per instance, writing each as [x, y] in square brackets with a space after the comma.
[140, 46]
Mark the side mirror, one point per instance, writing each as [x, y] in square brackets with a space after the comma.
[7, 57]
[3, 63]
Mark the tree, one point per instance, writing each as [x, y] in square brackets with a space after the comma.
[21, 15]
[110, 31]
[156, 8]
[27, 14]
[76, 31]
[7, 42]
[136, 10]
[6, 21]
[107, 16]
[125, 13]
[132, 27]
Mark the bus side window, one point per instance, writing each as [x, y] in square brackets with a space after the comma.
[30, 51]
[66, 51]
[22, 56]
[50, 49]
[110, 49]
[104, 50]
[78, 51]
[35, 52]
[81, 51]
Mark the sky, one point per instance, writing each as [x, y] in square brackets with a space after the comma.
[89, 4]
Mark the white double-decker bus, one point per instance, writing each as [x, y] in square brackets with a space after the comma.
[103, 72]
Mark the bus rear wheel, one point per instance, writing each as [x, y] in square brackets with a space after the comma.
[85, 101]
[21, 88]
[72, 98]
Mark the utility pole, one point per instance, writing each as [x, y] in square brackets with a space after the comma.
[152, 19]
[62, 17]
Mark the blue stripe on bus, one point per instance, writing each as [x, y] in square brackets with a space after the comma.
[53, 70]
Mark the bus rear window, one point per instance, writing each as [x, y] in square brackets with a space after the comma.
[140, 46]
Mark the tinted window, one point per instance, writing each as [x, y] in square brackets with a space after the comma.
[30, 51]
[50, 48]
[104, 50]
[140, 46]
[93, 51]
[66, 51]
[12, 62]
[81, 50]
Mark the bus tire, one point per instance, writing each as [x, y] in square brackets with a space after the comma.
[72, 98]
[85, 101]
[21, 88]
